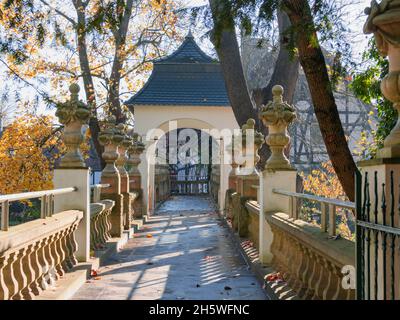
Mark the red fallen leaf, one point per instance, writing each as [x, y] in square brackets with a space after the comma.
[271, 277]
[275, 277]
[93, 273]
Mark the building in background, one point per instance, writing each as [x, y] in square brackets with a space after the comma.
[307, 146]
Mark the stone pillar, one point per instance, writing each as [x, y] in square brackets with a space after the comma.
[135, 180]
[384, 22]
[72, 171]
[278, 173]
[124, 176]
[110, 137]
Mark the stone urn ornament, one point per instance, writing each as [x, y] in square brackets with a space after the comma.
[110, 137]
[249, 134]
[123, 147]
[73, 114]
[277, 115]
[384, 22]
[135, 149]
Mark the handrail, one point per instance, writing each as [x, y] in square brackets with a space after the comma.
[47, 203]
[35, 194]
[96, 188]
[337, 203]
[104, 185]
[328, 208]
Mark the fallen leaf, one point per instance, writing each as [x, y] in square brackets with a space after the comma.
[97, 278]
[149, 235]
[93, 273]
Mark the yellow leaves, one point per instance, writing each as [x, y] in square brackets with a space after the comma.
[28, 149]
[85, 145]
[324, 182]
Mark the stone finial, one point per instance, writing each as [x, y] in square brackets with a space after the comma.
[384, 22]
[123, 145]
[110, 137]
[277, 115]
[73, 114]
[249, 132]
[135, 149]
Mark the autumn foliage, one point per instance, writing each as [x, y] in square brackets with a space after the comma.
[29, 147]
[324, 183]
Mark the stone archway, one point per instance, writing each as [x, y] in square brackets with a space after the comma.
[152, 135]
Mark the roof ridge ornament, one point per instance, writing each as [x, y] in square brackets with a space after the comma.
[190, 34]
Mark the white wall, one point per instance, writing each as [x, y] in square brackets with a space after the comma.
[158, 117]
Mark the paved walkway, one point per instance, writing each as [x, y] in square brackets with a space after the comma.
[182, 253]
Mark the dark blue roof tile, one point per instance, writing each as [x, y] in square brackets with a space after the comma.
[186, 77]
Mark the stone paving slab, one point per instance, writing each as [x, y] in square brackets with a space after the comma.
[180, 253]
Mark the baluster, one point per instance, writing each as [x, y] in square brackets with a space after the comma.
[297, 285]
[306, 272]
[4, 260]
[19, 274]
[60, 253]
[310, 287]
[321, 279]
[48, 271]
[108, 224]
[337, 276]
[9, 277]
[103, 225]
[74, 244]
[33, 286]
[67, 264]
[29, 271]
[92, 233]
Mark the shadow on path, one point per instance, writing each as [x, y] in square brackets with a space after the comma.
[183, 252]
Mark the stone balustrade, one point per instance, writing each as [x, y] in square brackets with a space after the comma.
[73, 220]
[100, 225]
[35, 254]
[265, 209]
[310, 262]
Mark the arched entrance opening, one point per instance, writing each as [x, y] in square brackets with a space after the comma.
[181, 157]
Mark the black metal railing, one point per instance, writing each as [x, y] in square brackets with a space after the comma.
[197, 186]
[378, 237]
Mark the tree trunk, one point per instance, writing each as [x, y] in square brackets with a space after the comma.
[314, 66]
[87, 79]
[115, 78]
[285, 70]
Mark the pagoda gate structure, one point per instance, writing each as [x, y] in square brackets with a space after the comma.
[186, 90]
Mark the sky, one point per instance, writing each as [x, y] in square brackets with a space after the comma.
[354, 14]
